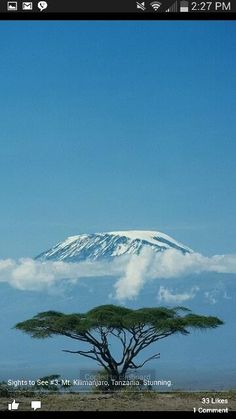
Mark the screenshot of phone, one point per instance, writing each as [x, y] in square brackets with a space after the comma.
[118, 203]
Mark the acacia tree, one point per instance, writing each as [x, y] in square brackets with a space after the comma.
[134, 330]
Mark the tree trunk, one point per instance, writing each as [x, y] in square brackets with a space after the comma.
[114, 379]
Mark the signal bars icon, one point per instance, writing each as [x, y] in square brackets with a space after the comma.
[155, 5]
[173, 8]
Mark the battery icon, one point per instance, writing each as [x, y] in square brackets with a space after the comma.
[184, 6]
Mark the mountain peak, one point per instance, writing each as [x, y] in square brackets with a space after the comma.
[97, 246]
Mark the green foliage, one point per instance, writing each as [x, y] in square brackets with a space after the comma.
[4, 389]
[133, 330]
[162, 319]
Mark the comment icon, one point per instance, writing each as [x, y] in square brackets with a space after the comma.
[36, 404]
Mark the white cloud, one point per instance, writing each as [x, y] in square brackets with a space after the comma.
[171, 263]
[213, 296]
[210, 296]
[136, 274]
[28, 274]
[131, 272]
[167, 296]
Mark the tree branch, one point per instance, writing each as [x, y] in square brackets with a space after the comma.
[134, 366]
[83, 353]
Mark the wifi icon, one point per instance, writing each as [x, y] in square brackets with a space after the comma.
[155, 5]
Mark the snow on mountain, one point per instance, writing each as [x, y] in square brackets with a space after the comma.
[98, 246]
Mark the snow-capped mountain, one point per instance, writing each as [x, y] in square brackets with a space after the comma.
[105, 245]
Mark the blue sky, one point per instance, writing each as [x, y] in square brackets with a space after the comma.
[117, 125]
[109, 126]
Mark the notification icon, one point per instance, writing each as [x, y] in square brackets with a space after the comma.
[42, 5]
[12, 6]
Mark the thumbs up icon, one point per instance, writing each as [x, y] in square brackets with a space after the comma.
[13, 405]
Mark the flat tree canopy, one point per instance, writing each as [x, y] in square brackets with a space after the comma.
[134, 330]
